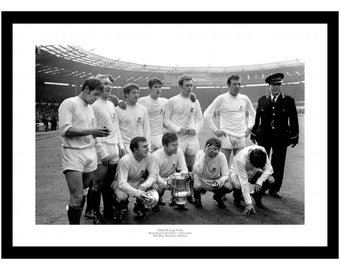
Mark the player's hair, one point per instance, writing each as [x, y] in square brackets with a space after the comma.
[103, 76]
[184, 78]
[258, 158]
[93, 83]
[135, 143]
[153, 81]
[233, 77]
[214, 141]
[169, 137]
[129, 87]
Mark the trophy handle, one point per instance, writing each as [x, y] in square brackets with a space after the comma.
[190, 179]
[170, 182]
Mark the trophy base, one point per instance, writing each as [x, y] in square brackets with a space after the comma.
[180, 201]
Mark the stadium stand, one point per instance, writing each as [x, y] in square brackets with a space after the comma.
[60, 70]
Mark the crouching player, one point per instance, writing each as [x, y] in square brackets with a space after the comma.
[168, 160]
[211, 173]
[135, 175]
[251, 166]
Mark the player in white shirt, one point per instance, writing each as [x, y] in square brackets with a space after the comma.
[183, 115]
[133, 120]
[211, 173]
[136, 173]
[155, 106]
[109, 149]
[168, 160]
[251, 166]
[233, 107]
[78, 128]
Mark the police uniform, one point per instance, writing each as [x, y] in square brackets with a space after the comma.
[276, 127]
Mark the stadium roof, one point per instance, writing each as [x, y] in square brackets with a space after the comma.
[72, 65]
[77, 54]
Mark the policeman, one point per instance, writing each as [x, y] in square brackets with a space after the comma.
[276, 127]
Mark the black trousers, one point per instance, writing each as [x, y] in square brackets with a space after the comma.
[278, 147]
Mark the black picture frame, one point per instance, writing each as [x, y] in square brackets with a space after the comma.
[198, 252]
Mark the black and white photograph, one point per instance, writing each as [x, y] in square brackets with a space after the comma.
[199, 129]
[160, 135]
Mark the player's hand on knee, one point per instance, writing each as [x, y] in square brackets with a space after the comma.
[257, 188]
[271, 180]
[248, 210]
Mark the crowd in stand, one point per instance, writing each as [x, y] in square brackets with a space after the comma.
[46, 116]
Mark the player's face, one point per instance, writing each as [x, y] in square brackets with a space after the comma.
[187, 87]
[107, 87]
[234, 87]
[143, 149]
[212, 151]
[172, 147]
[156, 90]
[275, 89]
[133, 96]
[92, 96]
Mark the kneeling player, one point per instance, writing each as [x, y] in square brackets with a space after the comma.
[251, 166]
[211, 173]
[131, 177]
[168, 160]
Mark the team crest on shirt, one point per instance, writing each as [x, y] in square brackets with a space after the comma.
[241, 108]
[191, 109]
[92, 122]
[213, 170]
[139, 120]
[161, 111]
[141, 173]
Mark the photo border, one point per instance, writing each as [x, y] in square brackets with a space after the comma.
[197, 252]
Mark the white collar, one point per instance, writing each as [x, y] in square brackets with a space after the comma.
[281, 94]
